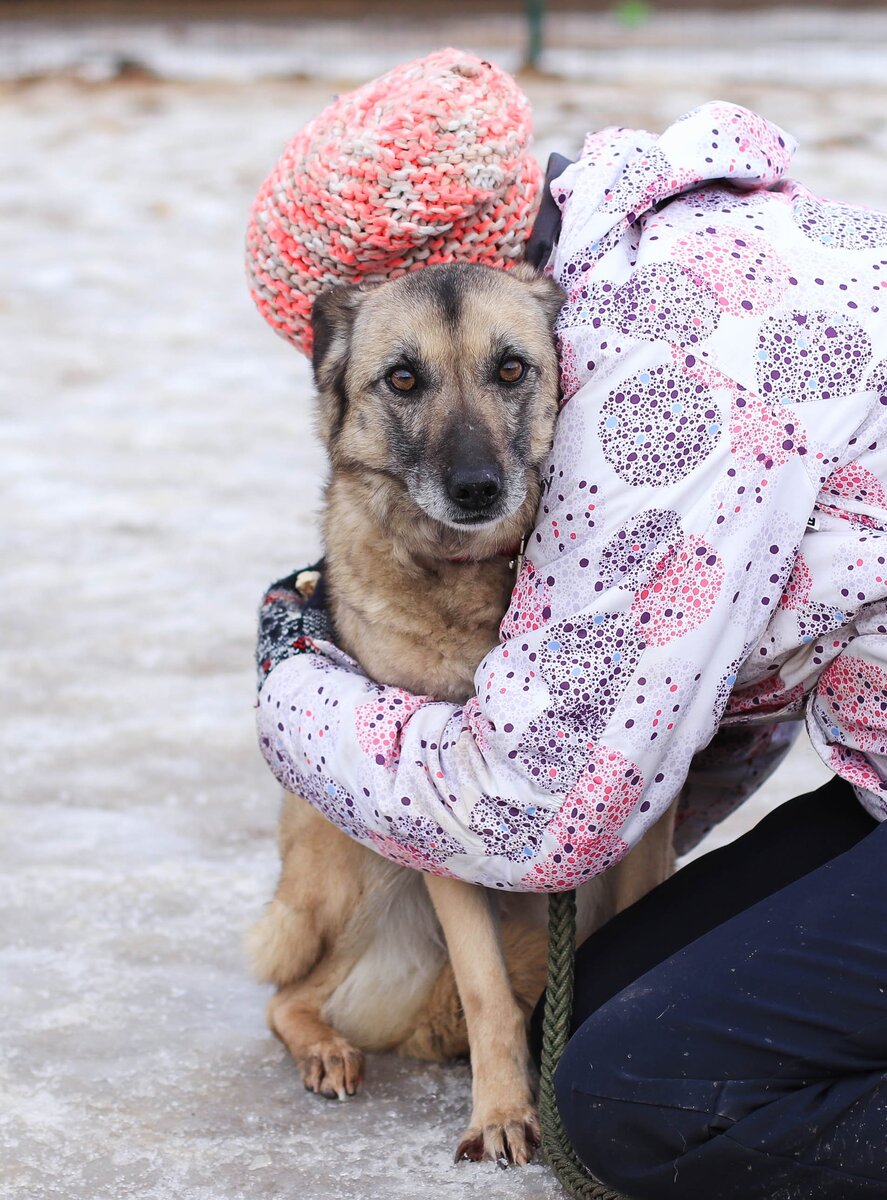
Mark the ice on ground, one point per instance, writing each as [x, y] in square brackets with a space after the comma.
[159, 470]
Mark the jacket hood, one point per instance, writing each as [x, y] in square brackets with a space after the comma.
[625, 173]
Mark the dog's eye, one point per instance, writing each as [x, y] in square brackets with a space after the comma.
[511, 370]
[402, 379]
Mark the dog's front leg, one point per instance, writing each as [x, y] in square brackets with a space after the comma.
[504, 1124]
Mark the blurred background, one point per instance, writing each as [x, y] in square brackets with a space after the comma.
[159, 468]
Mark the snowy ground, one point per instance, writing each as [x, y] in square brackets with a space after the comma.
[159, 471]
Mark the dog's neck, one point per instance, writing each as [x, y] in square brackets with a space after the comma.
[411, 616]
[514, 553]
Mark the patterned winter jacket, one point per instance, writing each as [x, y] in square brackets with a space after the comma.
[708, 566]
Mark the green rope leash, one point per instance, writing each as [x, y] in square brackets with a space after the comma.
[562, 1159]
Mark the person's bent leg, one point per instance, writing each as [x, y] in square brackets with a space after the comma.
[752, 1063]
[792, 840]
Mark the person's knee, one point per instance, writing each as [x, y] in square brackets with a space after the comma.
[629, 1117]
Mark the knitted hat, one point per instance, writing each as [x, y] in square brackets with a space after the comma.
[428, 164]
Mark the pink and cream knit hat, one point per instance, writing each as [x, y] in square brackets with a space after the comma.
[428, 164]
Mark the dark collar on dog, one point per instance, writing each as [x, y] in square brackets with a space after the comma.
[515, 553]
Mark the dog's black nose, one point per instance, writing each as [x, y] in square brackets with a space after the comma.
[474, 488]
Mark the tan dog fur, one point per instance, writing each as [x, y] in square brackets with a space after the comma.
[350, 939]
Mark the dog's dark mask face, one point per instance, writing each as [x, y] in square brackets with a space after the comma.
[445, 380]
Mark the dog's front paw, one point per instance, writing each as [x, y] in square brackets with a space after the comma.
[332, 1068]
[509, 1136]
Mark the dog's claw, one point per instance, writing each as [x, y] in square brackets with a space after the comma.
[471, 1148]
[312, 1074]
[333, 1069]
[506, 1140]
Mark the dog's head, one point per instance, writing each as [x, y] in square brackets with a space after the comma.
[445, 383]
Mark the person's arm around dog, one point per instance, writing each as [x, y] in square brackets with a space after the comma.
[664, 574]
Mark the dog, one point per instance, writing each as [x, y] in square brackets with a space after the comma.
[437, 401]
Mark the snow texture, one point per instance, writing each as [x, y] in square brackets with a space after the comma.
[159, 470]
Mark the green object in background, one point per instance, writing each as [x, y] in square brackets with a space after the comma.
[633, 12]
[535, 14]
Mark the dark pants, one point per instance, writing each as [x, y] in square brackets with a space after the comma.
[731, 1027]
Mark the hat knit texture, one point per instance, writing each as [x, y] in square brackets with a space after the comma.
[427, 164]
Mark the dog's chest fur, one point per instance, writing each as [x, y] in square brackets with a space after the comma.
[410, 616]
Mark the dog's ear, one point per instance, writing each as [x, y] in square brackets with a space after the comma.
[549, 294]
[332, 320]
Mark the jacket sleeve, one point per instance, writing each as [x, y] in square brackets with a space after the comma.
[847, 711]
